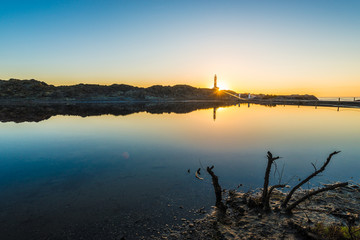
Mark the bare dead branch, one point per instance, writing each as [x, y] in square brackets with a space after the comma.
[265, 198]
[315, 173]
[314, 192]
[215, 181]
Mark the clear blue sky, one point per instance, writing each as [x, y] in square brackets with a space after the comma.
[269, 46]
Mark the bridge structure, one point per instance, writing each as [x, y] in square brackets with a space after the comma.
[235, 96]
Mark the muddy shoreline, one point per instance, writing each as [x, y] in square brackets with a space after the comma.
[243, 222]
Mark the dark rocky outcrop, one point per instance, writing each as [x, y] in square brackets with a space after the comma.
[19, 90]
[15, 89]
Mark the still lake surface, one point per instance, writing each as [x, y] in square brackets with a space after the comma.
[104, 177]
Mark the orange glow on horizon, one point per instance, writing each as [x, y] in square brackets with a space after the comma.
[313, 87]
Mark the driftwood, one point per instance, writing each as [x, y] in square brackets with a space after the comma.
[314, 192]
[268, 190]
[197, 174]
[266, 193]
[315, 173]
[218, 192]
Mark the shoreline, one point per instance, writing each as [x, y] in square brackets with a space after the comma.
[313, 103]
[329, 209]
[268, 102]
[109, 101]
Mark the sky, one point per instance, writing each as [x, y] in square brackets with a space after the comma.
[257, 46]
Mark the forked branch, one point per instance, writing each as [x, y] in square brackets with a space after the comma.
[315, 173]
[266, 195]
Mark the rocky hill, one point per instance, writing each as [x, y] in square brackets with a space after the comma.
[15, 89]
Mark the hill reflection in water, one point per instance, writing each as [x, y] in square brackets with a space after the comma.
[22, 112]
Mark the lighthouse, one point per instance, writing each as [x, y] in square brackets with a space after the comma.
[215, 82]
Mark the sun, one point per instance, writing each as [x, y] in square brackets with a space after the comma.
[222, 85]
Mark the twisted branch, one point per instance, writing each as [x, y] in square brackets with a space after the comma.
[218, 192]
[288, 197]
[314, 192]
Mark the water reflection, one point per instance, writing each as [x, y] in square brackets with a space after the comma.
[19, 112]
[109, 176]
[214, 113]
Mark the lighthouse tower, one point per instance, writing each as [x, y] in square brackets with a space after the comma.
[215, 82]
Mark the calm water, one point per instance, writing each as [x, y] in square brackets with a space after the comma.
[104, 177]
